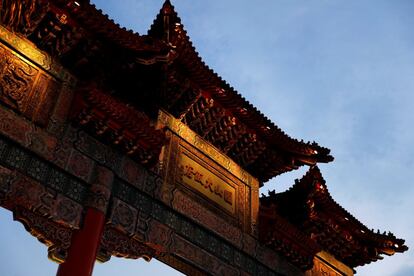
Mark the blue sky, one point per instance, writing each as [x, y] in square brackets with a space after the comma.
[334, 71]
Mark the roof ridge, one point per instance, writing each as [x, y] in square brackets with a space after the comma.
[269, 130]
[94, 18]
[310, 175]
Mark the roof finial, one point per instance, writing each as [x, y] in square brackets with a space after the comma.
[167, 3]
[167, 7]
[167, 10]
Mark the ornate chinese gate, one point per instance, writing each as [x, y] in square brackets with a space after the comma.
[151, 154]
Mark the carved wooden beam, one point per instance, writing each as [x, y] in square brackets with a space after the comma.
[247, 149]
[198, 112]
[218, 134]
[271, 163]
[282, 236]
[122, 125]
[116, 243]
[185, 102]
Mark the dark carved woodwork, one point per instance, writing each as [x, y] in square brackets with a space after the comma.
[49, 175]
[222, 130]
[17, 14]
[115, 243]
[309, 206]
[247, 149]
[161, 221]
[181, 265]
[99, 193]
[119, 124]
[272, 162]
[198, 112]
[54, 34]
[199, 77]
[185, 102]
[55, 236]
[176, 87]
[45, 190]
[277, 233]
[210, 120]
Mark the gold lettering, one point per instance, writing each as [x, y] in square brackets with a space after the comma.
[206, 182]
[188, 171]
[198, 177]
[218, 191]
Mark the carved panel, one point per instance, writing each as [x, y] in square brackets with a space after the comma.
[94, 149]
[34, 98]
[160, 235]
[16, 80]
[249, 244]
[39, 171]
[207, 176]
[25, 88]
[56, 125]
[253, 194]
[53, 235]
[207, 262]
[17, 190]
[133, 173]
[118, 244]
[192, 138]
[205, 217]
[181, 265]
[156, 223]
[123, 217]
[100, 190]
[80, 165]
[38, 57]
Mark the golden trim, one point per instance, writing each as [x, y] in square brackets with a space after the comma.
[183, 131]
[331, 261]
[27, 49]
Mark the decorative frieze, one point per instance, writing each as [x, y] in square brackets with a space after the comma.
[56, 237]
[161, 222]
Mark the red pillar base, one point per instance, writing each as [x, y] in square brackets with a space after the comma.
[84, 246]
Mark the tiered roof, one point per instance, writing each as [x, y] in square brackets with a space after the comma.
[113, 121]
[163, 70]
[217, 112]
[104, 57]
[310, 208]
[125, 78]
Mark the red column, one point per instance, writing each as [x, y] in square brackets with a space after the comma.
[84, 246]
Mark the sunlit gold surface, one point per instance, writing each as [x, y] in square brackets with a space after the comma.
[212, 152]
[31, 52]
[206, 182]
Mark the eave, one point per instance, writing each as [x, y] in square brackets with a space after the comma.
[309, 206]
[207, 84]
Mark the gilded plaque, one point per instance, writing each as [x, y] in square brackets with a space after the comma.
[199, 178]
